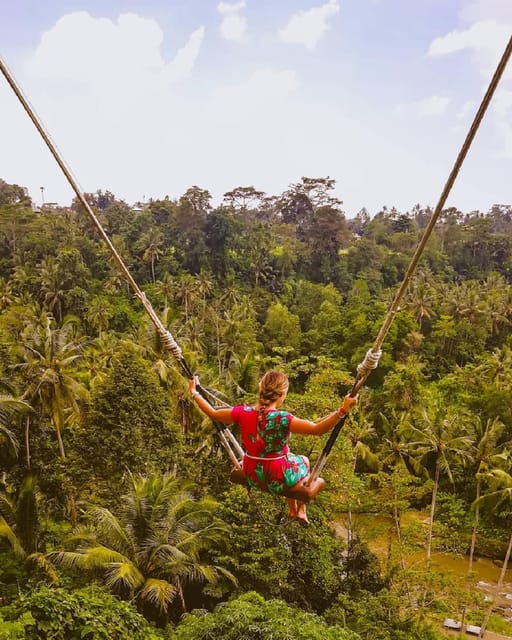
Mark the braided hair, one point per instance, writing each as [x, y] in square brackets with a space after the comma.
[272, 385]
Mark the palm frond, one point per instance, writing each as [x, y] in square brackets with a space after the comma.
[89, 558]
[41, 561]
[159, 593]
[7, 509]
[123, 574]
[111, 530]
[8, 533]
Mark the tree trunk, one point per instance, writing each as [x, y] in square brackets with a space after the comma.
[396, 516]
[432, 512]
[27, 441]
[58, 421]
[498, 588]
[349, 528]
[182, 597]
[473, 535]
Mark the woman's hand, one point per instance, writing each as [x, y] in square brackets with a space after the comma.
[192, 384]
[349, 402]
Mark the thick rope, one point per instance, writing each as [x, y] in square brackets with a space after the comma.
[373, 355]
[167, 338]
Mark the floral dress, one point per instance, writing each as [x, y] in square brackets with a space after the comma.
[268, 464]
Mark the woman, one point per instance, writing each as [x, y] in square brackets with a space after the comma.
[268, 464]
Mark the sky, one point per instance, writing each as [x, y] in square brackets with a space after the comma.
[147, 98]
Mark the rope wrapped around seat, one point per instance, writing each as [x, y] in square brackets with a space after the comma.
[300, 491]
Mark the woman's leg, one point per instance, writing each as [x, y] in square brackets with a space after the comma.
[292, 507]
[301, 512]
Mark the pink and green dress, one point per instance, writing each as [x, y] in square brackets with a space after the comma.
[268, 464]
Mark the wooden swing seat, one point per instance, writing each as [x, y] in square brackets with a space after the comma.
[300, 491]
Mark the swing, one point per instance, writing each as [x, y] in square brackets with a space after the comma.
[307, 489]
[304, 490]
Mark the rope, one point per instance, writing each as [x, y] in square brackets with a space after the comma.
[167, 338]
[370, 362]
[373, 355]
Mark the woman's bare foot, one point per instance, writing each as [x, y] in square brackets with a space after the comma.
[302, 516]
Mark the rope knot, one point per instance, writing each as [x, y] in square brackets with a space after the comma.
[370, 362]
[171, 344]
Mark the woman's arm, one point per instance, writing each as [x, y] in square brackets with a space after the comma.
[307, 427]
[220, 415]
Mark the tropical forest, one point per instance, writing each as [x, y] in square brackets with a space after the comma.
[118, 519]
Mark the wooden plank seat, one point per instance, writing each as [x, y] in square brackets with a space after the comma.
[300, 491]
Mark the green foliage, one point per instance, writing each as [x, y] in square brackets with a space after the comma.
[251, 617]
[90, 614]
[259, 281]
[285, 560]
[154, 549]
[128, 427]
[378, 616]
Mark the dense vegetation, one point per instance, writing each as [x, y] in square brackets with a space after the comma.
[116, 517]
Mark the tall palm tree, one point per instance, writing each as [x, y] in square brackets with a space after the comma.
[421, 298]
[486, 452]
[154, 547]
[437, 442]
[50, 356]
[359, 430]
[152, 249]
[496, 368]
[396, 463]
[99, 313]
[500, 483]
[52, 289]
[186, 292]
[19, 526]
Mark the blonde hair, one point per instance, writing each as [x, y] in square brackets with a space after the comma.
[272, 385]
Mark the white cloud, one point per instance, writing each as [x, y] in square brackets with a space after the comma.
[466, 109]
[233, 26]
[503, 114]
[125, 55]
[477, 10]
[308, 27]
[425, 107]
[114, 108]
[485, 39]
[182, 65]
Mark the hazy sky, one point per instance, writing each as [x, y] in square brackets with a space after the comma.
[147, 98]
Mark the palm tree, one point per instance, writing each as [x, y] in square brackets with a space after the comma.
[358, 431]
[10, 407]
[152, 252]
[496, 368]
[395, 462]
[49, 366]
[437, 443]
[154, 547]
[421, 298]
[186, 292]
[486, 452]
[166, 287]
[52, 287]
[99, 313]
[6, 294]
[500, 496]
[19, 526]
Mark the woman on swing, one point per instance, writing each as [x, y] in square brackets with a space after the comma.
[268, 465]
